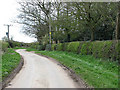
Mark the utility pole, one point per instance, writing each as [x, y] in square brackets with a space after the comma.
[7, 33]
[49, 21]
[50, 32]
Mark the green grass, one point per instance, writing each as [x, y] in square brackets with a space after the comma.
[10, 60]
[27, 49]
[96, 72]
[19, 48]
[0, 66]
[31, 49]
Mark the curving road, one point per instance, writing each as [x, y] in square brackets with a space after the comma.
[40, 72]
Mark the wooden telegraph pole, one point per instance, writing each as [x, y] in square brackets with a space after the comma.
[7, 33]
[50, 32]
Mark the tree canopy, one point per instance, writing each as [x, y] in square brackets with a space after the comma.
[69, 21]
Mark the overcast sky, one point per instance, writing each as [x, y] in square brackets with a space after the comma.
[8, 13]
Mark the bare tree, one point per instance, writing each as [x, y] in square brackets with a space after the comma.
[35, 15]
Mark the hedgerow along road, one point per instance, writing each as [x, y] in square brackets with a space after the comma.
[41, 72]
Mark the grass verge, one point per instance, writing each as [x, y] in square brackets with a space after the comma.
[10, 60]
[96, 72]
[27, 49]
[19, 48]
[31, 49]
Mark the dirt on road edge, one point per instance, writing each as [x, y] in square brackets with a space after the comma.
[12, 74]
[70, 72]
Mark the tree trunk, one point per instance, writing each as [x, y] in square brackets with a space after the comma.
[92, 35]
[68, 37]
[118, 23]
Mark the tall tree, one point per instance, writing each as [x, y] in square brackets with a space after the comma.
[66, 22]
[118, 23]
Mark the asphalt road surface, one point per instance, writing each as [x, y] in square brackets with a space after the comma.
[40, 72]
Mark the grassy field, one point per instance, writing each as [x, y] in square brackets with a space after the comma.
[10, 60]
[96, 72]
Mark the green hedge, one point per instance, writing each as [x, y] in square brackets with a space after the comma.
[3, 46]
[59, 47]
[99, 49]
[73, 47]
[53, 47]
[117, 49]
[86, 48]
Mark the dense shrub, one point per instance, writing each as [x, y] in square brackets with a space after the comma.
[34, 45]
[3, 46]
[65, 45]
[86, 48]
[0, 45]
[53, 47]
[73, 47]
[99, 49]
[105, 49]
[40, 47]
[14, 44]
[59, 47]
[47, 47]
[117, 49]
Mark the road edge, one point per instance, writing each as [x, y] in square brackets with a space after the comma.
[12, 74]
[70, 72]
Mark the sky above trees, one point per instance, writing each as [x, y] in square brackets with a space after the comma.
[8, 13]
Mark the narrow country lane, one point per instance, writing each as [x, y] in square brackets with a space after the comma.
[40, 72]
